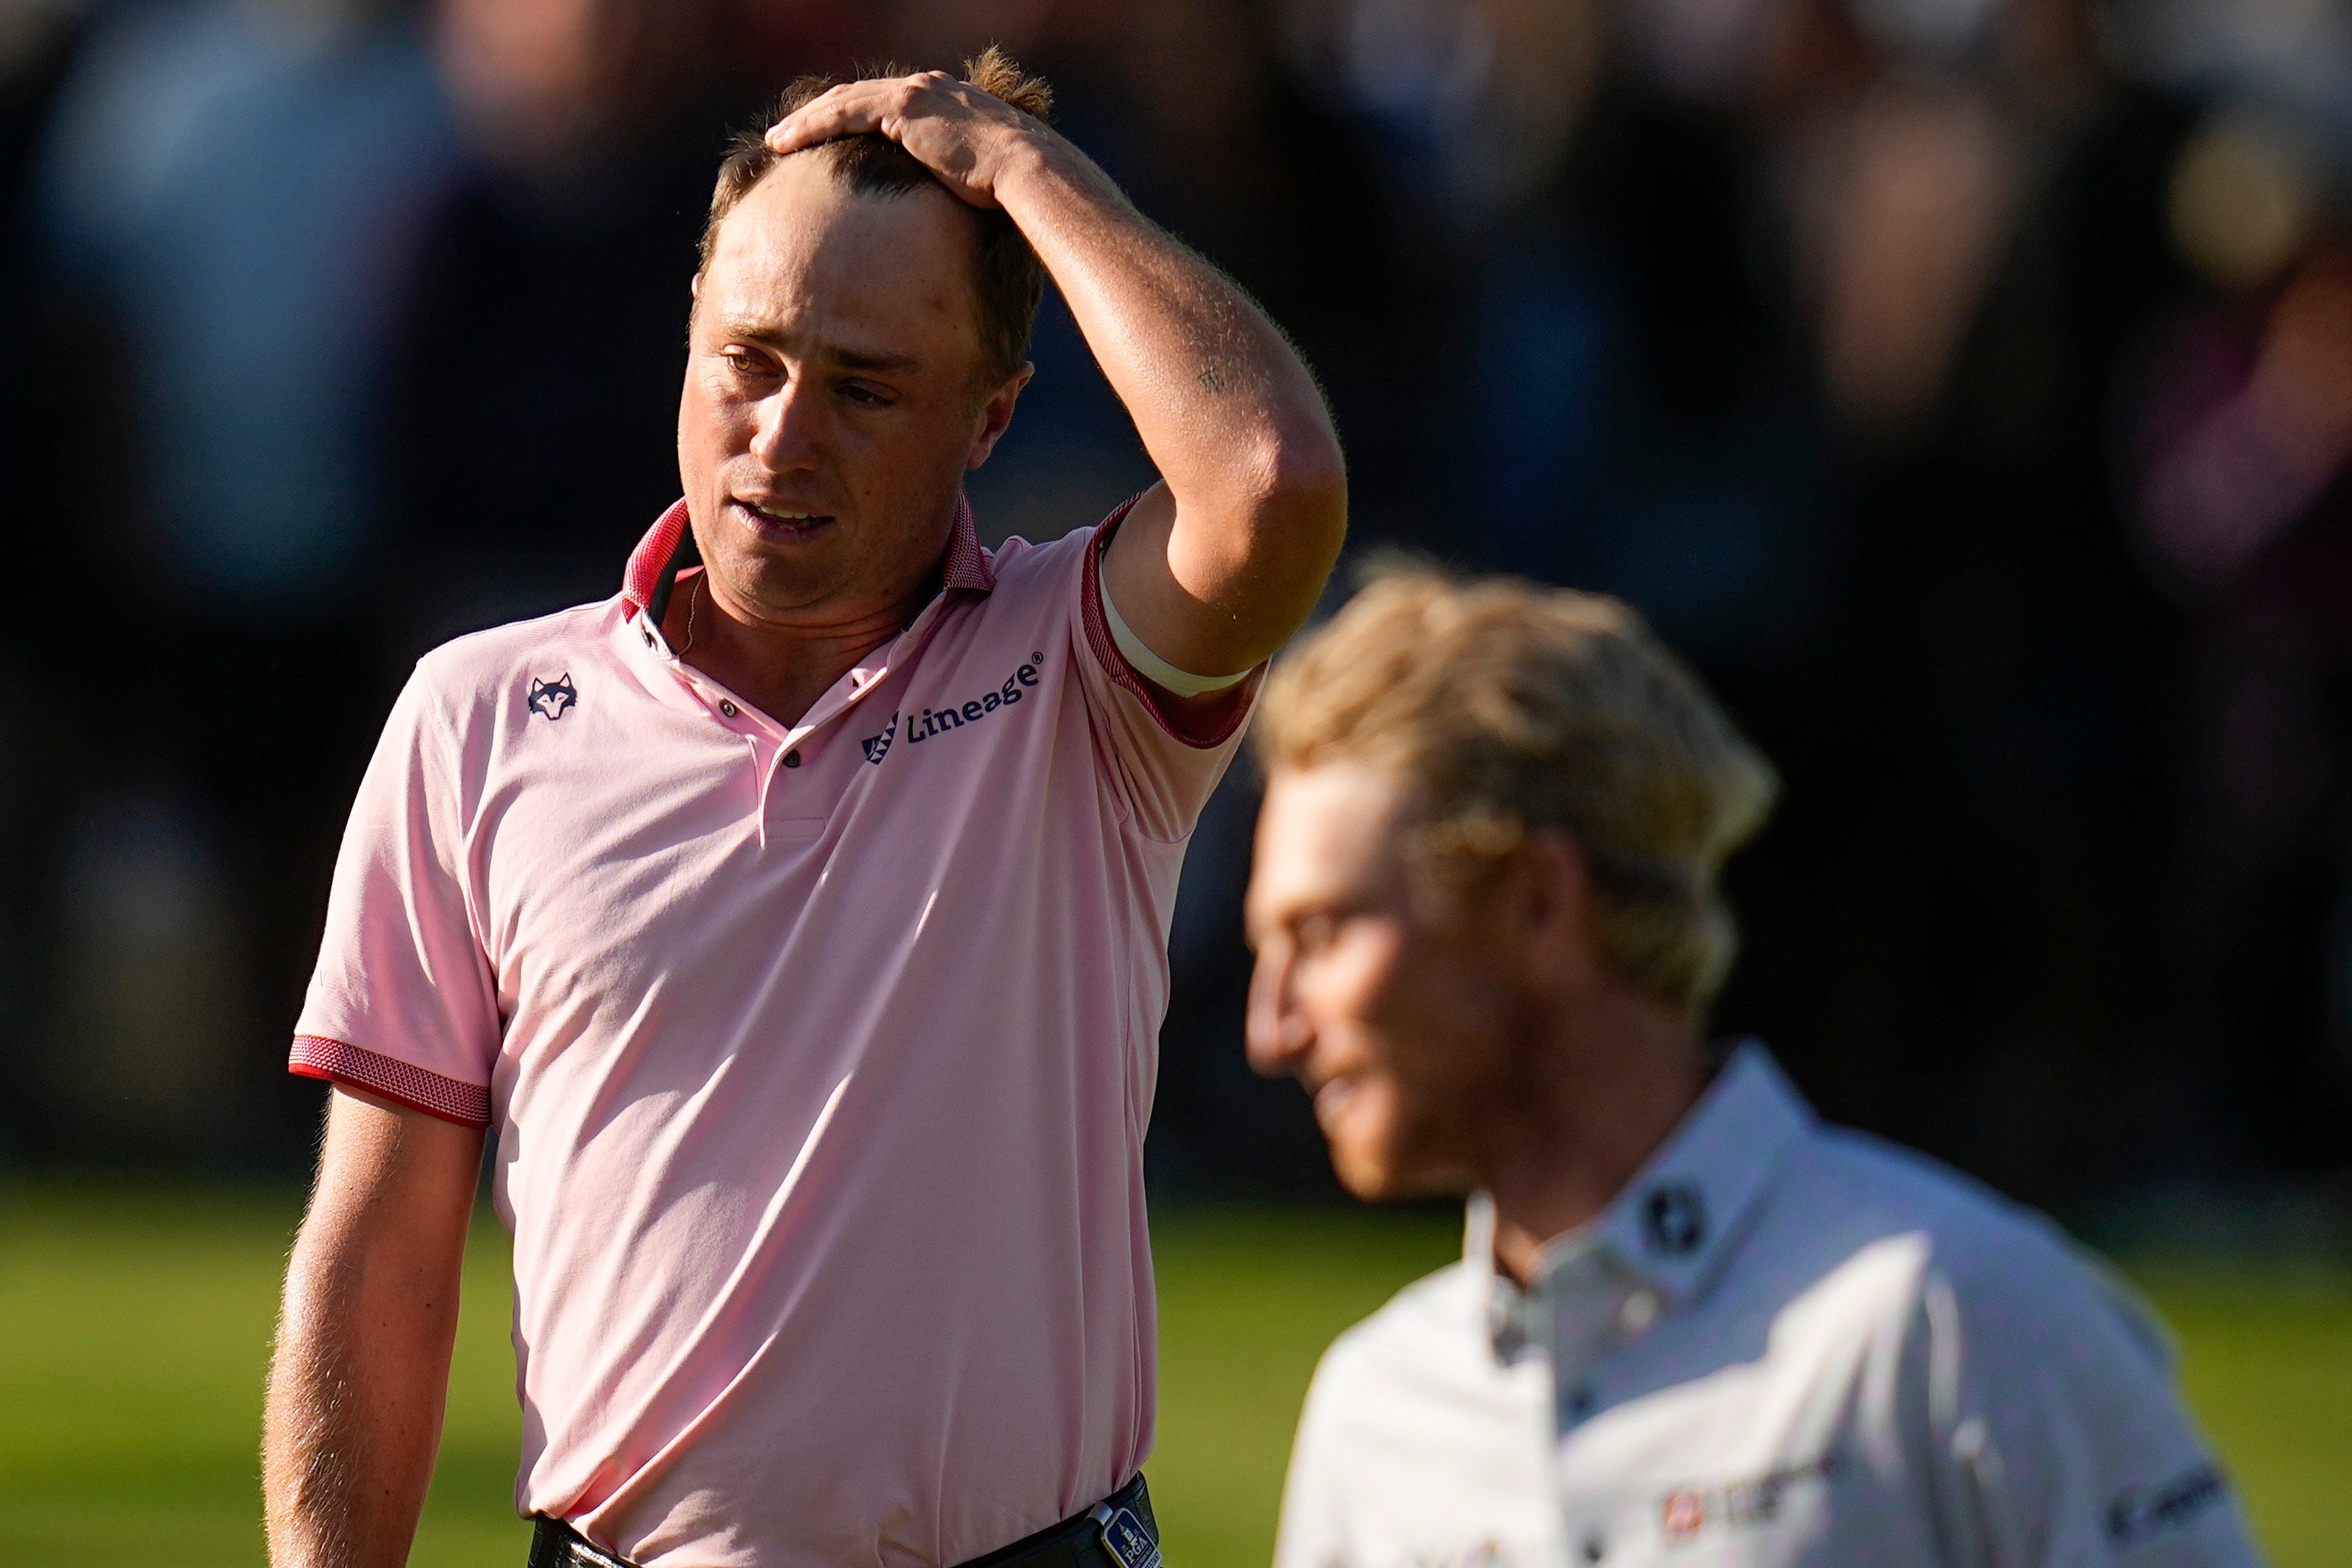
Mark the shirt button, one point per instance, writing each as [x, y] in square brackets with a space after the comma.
[1594, 1549]
[729, 709]
[791, 758]
[1580, 1402]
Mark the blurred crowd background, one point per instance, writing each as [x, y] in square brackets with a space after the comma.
[1965, 385]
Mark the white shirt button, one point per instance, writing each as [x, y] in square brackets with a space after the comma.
[1641, 1310]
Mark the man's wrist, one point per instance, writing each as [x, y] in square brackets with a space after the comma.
[1042, 168]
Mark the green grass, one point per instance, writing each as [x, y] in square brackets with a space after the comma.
[2266, 1362]
[134, 1326]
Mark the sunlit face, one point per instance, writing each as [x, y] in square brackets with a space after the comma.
[1399, 1013]
[831, 406]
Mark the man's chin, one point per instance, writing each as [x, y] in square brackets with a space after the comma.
[782, 583]
[1380, 1176]
[1363, 1184]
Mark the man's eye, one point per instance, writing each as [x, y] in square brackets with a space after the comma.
[743, 364]
[1315, 933]
[870, 397]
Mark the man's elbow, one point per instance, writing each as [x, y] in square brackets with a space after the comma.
[1303, 512]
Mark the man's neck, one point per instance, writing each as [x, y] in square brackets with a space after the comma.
[780, 667]
[1616, 1075]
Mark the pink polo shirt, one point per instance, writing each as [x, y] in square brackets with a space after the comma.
[819, 1058]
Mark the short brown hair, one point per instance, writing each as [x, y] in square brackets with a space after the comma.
[1508, 708]
[1008, 281]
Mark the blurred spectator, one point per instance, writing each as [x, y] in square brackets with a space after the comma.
[530, 426]
[2241, 433]
[230, 185]
[1976, 207]
[225, 193]
[37, 42]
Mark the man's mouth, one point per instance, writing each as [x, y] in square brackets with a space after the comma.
[771, 520]
[1332, 1097]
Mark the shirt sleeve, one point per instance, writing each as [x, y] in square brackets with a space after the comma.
[403, 1003]
[1165, 756]
[2057, 1437]
[1314, 1529]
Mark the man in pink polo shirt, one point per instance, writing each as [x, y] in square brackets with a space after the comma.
[798, 920]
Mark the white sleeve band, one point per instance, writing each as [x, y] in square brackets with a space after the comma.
[1150, 666]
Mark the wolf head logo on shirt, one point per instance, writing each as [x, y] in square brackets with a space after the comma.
[551, 699]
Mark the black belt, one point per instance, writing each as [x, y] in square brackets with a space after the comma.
[1116, 1532]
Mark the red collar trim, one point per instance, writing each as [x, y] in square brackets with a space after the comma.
[966, 564]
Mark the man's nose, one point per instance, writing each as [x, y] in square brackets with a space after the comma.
[786, 437]
[1277, 1033]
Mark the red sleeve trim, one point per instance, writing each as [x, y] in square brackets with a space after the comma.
[316, 1056]
[1203, 728]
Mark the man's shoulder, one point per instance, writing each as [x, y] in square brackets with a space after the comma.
[1999, 1260]
[482, 666]
[1900, 1190]
[1022, 569]
[1033, 596]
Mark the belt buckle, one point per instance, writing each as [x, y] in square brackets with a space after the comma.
[1124, 1539]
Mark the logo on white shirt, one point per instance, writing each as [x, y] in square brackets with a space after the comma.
[2139, 1511]
[1687, 1511]
[1674, 1219]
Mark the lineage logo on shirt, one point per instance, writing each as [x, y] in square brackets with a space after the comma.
[931, 723]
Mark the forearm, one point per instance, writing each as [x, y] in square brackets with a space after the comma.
[1206, 377]
[360, 1374]
[1229, 415]
[356, 1393]
[1216, 570]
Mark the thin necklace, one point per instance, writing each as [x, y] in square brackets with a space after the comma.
[693, 603]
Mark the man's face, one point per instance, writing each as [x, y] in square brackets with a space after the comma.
[1399, 1012]
[831, 406]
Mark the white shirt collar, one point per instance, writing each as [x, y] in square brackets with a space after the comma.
[1672, 1226]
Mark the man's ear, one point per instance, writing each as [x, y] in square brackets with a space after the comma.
[1551, 905]
[996, 415]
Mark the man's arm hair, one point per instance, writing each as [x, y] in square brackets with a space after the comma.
[1217, 566]
[360, 1375]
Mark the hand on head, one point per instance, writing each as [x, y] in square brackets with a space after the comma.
[961, 133]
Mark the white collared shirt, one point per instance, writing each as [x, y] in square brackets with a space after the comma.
[1783, 1344]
